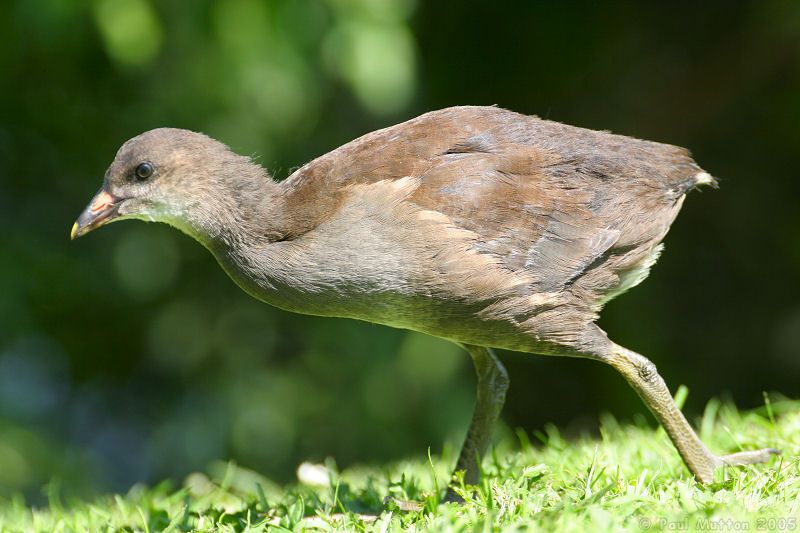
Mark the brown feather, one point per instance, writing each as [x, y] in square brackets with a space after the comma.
[475, 224]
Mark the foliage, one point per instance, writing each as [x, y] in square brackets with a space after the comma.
[629, 479]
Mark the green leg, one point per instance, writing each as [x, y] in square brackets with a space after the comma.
[643, 377]
[491, 395]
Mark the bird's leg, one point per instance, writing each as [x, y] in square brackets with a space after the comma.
[642, 375]
[491, 395]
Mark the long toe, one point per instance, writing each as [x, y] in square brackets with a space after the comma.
[749, 457]
[408, 506]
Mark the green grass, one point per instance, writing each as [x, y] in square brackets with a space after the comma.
[628, 479]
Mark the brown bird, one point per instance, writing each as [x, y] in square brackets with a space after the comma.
[474, 224]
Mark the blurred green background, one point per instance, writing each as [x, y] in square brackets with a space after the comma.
[129, 356]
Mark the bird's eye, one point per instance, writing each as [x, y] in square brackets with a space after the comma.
[143, 170]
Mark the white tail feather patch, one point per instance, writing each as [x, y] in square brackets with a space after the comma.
[704, 178]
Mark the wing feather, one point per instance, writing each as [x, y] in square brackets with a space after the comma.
[552, 200]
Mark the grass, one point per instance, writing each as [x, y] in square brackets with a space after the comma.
[628, 479]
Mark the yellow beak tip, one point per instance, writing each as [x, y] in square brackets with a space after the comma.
[73, 232]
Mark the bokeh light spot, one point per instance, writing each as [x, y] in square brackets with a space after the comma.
[130, 29]
[387, 395]
[146, 260]
[245, 334]
[430, 361]
[377, 60]
[33, 377]
[15, 471]
[263, 430]
[177, 337]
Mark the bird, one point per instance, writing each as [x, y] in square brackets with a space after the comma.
[475, 224]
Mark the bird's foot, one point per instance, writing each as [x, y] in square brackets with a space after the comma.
[407, 506]
[411, 506]
[749, 457]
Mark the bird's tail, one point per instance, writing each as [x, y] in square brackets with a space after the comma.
[700, 179]
[704, 178]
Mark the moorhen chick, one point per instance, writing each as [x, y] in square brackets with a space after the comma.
[478, 225]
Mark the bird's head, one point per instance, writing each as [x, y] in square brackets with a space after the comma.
[179, 177]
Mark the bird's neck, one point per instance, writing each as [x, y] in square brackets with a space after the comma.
[253, 222]
[245, 210]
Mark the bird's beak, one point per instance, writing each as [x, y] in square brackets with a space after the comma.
[102, 209]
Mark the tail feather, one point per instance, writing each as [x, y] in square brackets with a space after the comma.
[704, 178]
[700, 179]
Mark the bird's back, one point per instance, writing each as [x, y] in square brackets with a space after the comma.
[518, 219]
